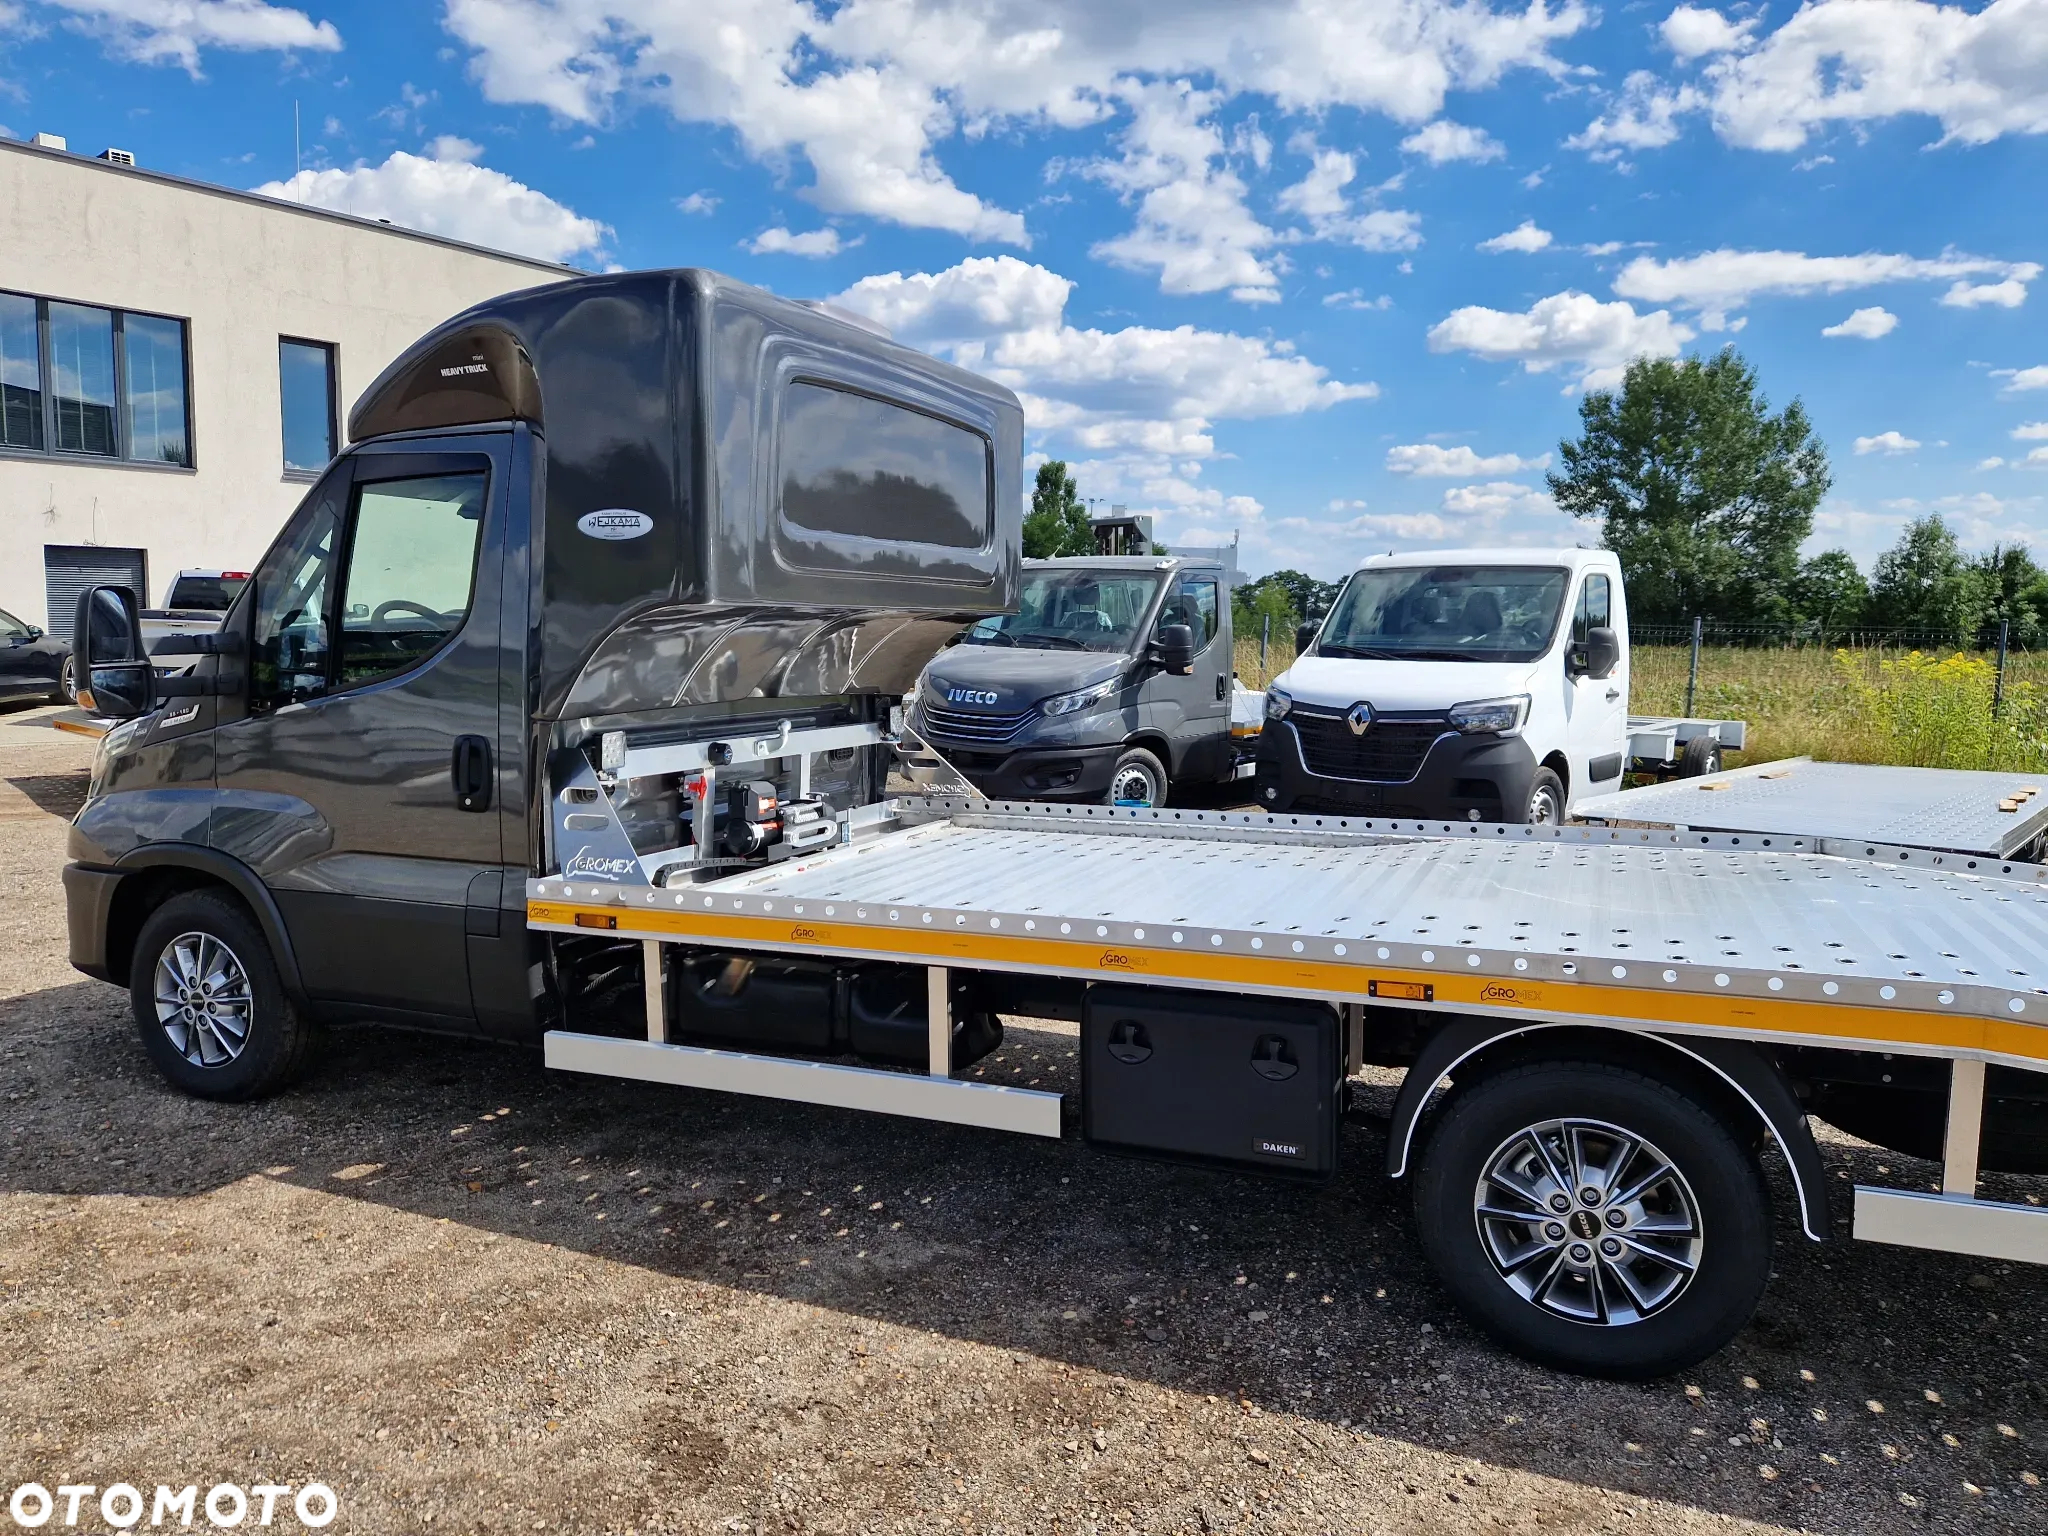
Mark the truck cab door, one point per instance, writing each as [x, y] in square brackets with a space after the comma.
[1596, 733]
[358, 774]
[1199, 704]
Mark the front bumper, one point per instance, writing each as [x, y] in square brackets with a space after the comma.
[1035, 773]
[1462, 778]
[88, 903]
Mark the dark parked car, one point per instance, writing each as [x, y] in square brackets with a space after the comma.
[33, 665]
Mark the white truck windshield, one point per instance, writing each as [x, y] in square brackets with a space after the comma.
[1072, 611]
[1446, 613]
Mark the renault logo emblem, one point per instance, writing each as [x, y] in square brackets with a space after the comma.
[1358, 717]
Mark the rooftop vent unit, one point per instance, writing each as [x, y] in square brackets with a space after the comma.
[117, 157]
[49, 141]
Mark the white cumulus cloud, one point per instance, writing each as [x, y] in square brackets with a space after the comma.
[1459, 463]
[447, 193]
[177, 31]
[1443, 141]
[1727, 279]
[1644, 116]
[1569, 330]
[868, 93]
[2030, 431]
[2020, 380]
[1693, 32]
[1525, 237]
[1980, 73]
[815, 243]
[1865, 324]
[1887, 443]
[2009, 294]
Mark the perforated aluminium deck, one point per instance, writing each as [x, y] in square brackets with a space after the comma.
[1905, 807]
[1767, 942]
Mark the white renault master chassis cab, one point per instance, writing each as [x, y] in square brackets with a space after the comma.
[1469, 685]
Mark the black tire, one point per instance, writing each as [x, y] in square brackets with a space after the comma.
[1133, 764]
[66, 691]
[1730, 1216]
[1546, 799]
[1702, 756]
[204, 1059]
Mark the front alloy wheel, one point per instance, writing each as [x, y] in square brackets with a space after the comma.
[203, 999]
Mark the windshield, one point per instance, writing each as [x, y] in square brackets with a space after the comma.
[1073, 611]
[1446, 613]
[210, 592]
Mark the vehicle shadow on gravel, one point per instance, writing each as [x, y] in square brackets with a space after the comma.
[1900, 1366]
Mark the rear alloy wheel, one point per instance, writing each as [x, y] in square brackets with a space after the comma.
[67, 682]
[209, 1002]
[1593, 1218]
[1546, 799]
[1139, 779]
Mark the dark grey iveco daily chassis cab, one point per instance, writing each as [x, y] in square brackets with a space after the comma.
[626, 508]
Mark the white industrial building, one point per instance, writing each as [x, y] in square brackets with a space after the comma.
[177, 361]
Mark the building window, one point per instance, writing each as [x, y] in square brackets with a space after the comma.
[101, 383]
[305, 374]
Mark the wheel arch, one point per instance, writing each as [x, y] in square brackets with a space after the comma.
[1747, 1083]
[1558, 764]
[153, 874]
[1156, 742]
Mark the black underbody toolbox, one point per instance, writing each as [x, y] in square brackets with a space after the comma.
[1213, 1078]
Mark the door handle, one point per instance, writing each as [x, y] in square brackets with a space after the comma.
[1222, 686]
[1613, 694]
[470, 771]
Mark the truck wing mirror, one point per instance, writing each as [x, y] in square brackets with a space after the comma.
[1175, 649]
[1304, 637]
[106, 639]
[1603, 653]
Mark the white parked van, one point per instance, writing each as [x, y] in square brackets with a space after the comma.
[1468, 685]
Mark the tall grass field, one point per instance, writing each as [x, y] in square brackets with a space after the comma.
[1930, 710]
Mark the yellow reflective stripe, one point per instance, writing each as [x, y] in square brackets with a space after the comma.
[1732, 1012]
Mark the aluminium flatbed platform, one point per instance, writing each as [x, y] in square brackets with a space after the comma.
[1848, 806]
[1705, 937]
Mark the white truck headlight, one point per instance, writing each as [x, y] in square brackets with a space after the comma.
[1491, 717]
[1086, 698]
[1278, 702]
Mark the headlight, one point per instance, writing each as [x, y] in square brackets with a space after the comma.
[1087, 698]
[1278, 702]
[1495, 717]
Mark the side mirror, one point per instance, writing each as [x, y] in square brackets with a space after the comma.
[1603, 653]
[1175, 649]
[1304, 637]
[34, 633]
[106, 640]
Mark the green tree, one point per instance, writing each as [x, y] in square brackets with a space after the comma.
[1925, 582]
[1703, 493]
[1252, 605]
[1057, 523]
[1830, 591]
[2015, 593]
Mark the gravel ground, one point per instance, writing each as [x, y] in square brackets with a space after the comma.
[473, 1296]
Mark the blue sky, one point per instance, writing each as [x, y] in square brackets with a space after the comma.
[1330, 274]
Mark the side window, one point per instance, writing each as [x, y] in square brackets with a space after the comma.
[853, 466]
[1193, 604]
[12, 628]
[411, 566]
[1598, 607]
[288, 651]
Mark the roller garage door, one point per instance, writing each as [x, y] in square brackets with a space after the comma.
[68, 569]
